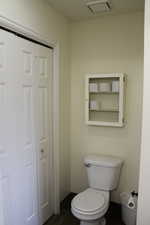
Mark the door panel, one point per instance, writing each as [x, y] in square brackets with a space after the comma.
[28, 114]
[6, 123]
[25, 134]
[27, 63]
[44, 71]
[43, 67]
[29, 154]
[43, 112]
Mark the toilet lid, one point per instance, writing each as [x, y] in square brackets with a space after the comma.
[89, 201]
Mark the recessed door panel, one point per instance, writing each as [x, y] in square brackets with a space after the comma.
[2, 50]
[27, 63]
[43, 112]
[43, 66]
[2, 107]
[28, 114]
[44, 184]
[5, 201]
[30, 192]
[29, 153]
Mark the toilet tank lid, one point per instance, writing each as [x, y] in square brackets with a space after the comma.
[102, 160]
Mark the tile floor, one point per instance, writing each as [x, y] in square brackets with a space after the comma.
[113, 216]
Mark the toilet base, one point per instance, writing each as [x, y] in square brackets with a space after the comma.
[96, 222]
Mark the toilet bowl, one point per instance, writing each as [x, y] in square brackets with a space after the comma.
[90, 206]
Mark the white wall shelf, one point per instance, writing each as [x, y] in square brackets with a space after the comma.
[104, 110]
[104, 93]
[104, 99]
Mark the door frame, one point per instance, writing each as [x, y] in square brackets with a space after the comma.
[31, 34]
[143, 215]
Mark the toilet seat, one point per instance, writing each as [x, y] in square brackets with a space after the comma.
[90, 204]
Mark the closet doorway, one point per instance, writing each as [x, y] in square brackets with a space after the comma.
[26, 123]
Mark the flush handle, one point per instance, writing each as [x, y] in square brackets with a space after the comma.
[42, 150]
[87, 164]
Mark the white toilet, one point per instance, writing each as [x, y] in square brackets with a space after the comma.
[91, 205]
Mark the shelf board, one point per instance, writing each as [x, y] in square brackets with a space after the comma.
[105, 110]
[105, 93]
[105, 124]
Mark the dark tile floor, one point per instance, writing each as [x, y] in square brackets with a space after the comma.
[113, 216]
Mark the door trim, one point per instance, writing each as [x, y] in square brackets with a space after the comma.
[143, 215]
[31, 34]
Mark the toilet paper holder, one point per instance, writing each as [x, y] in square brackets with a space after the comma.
[134, 194]
[131, 202]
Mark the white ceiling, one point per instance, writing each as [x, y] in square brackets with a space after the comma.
[76, 9]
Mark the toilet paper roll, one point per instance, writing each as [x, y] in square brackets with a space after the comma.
[131, 203]
[94, 105]
[115, 86]
[93, 87]
[105, 87]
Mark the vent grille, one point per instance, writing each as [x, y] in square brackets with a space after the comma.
[98, 6]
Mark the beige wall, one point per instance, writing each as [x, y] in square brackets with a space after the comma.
[37, 15]
[108, 44]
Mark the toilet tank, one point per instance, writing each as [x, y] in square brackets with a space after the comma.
[103, 171]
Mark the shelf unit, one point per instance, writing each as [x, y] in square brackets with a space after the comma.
[104, 108]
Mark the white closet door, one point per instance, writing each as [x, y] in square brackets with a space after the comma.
[24, 56]
[44, 129]
[24, 131]
[17, 155]
[7, 140]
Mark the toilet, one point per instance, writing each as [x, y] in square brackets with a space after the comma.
[91, 205]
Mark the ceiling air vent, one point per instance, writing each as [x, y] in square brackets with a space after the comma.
[98, 6]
